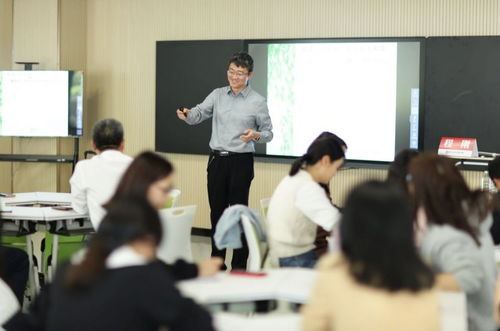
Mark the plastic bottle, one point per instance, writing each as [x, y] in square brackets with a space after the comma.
[486, 183]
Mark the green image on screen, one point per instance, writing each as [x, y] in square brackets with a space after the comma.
[281, 59]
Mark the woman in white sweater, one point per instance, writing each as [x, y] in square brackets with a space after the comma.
[299, 204]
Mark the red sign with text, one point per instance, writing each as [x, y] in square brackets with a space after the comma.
[453, 146]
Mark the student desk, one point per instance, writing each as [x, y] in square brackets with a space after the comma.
[261, 322]
[276, 284]
[26, 213]
[291, 285]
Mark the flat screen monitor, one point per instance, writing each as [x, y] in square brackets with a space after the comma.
[367, 92]
[41, 103]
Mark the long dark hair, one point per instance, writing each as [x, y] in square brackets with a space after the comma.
[145, 169]
[439, 188]
[398, 169]
[326, 134]
[127, 219]
[377, 239]
[320, 147]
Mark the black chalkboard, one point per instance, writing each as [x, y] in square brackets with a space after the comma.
[186, 73]
[462, 90]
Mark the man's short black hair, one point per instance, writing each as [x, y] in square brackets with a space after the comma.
[107, 134]
[243, 60]
[494, 168]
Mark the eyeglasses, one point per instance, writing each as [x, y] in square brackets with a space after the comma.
[238, 74]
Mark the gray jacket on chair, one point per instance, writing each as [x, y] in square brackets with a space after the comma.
[228, 229]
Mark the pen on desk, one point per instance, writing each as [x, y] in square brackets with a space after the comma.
[5, 211]
[247, 273]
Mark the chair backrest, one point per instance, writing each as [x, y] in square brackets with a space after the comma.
[176, 243]
[173, 198]
[255, 254]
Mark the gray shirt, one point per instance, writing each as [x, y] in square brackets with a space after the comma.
[232, 115]
[449, 250]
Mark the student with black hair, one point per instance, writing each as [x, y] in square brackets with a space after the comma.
[299, 204]
[240, 119]
[321, 241]
[151, 176]
[14, 269]
[118, 284]
[94, 180]
[398, 169]
[378, 282]
[494, 173]
[9, 304]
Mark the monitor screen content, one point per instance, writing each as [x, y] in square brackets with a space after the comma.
[41, 103]
[366, 92]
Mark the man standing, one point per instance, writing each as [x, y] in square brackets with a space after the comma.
[240, 118]
[94, 181]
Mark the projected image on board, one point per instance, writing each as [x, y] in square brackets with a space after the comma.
[365, 92]
[41, 103]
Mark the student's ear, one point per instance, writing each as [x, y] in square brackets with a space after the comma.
[94, 148]
[122, 146]
[325, 161]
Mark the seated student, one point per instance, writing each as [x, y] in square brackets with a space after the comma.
[494, 173]
[398, 169]
[14, 270]
[321, 242]
[94, 180]
[378, 281]
[456, 241]
[299, 204]
[151, 175]
[118, 285]
[9, 304]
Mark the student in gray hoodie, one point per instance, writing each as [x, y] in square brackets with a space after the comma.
[454, 224]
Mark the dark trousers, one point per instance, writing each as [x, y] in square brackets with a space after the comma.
[15, 269]
[228, 181]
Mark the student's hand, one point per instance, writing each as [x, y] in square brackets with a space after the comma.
[182, 114]
[209, 267]
[249, 135]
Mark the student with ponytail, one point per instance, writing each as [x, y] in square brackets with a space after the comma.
[118, 284]
[321, 242]
[299, 204]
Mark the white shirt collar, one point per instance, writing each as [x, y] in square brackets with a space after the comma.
[124, 256]
[111, 153]
[304, 173]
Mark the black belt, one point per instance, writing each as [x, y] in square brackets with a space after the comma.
[227, 153]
